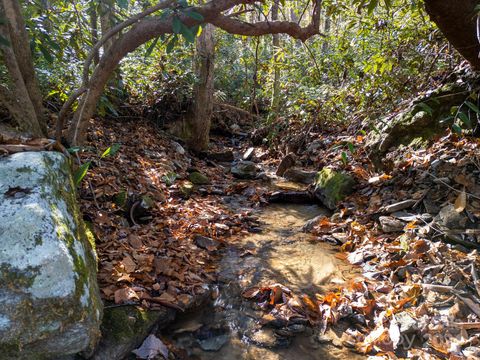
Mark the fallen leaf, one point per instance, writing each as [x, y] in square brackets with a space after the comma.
[151, 347]
[461, 202]
[124, 295]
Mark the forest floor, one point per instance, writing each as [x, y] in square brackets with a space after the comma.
[410, 235]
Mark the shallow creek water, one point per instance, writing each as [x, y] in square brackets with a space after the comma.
[228, 327]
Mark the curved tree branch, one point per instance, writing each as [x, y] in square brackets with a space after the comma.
[149, 28]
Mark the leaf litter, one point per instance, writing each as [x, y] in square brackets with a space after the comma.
[419, 296]
[154, 262]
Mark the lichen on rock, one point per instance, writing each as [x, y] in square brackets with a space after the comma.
[50, 305]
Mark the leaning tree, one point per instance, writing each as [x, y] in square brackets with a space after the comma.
[137, 30]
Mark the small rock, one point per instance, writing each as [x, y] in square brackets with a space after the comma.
[402, 205]
[310, 224]
[296, 328]
[389, 224]
[245, 170]
[223, 156]
[324, 339]
[267, 338]
[255, 230]
[186, 189]
[214, 343]
[287, 162]
[178, 148]
[212, 339]
[406, 322]
[198, 178]
[206, 242]
[248, 155]
[314, 146]
[299, 175]
[450, 218]
[284, 332]
[235, 128]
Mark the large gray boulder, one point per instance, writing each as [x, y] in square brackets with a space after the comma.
[50, 306]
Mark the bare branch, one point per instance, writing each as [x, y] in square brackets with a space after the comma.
[238, 27]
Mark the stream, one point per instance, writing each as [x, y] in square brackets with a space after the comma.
[228, 327]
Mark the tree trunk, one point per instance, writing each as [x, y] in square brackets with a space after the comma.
[201, 115]
[94, 30]
[326, 30]
[22, 98]
[107, 19]
[276, 67]
[458, 22]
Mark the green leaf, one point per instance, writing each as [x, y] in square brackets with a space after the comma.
[171, 44]
[425, 108]
[351, 147]
[123, 4]
[112, 150]
[80, 173]
[194, 15]
[464, 119]
[177, 25]
[188, 34]
[373, 4]
[151, 47]
[344, 158]
[74, 149]
[472, 106]
[46, 53]
[456, 128]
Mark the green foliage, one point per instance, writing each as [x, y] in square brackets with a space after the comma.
[466, 117]
[169, 179]
[111, 151]
[374, 55]
[80, 173]
[82, 170]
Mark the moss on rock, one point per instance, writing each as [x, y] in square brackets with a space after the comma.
[198, 178]
[125, 327]
[423, 119]
[331, 187]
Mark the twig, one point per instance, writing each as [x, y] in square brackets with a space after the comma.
[475, 279]
[449, 186]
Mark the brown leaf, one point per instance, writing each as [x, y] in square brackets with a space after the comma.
[461, 202]
[124, 295]
[129, 264]
[135, 241]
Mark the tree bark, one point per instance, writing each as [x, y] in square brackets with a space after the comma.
[276, 67]
[23, 98]
[94, 30]
[458, 22]
[201, 115]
